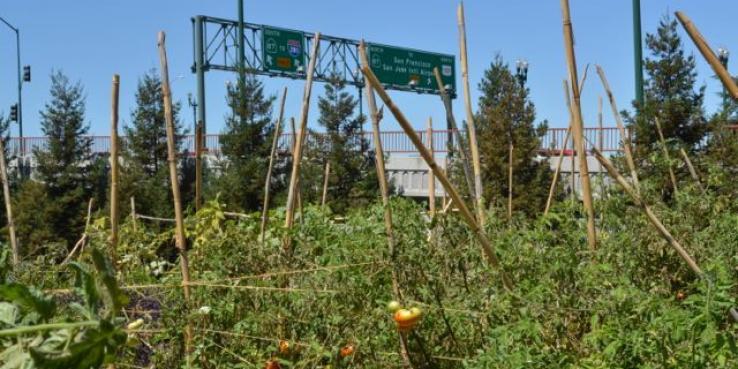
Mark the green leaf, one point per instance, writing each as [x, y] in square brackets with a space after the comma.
[107, 274]
[85, 284]
[28, 299]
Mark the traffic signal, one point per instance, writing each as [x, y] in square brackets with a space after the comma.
[26, 73]
[14, 112]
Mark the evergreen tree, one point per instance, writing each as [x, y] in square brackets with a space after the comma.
[146, 174]
[669, 95]
[246, 145]
[352, 181]
[506, 115]
[64, 165]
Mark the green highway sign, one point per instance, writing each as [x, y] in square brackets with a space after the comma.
[408, 69]
[282, 50]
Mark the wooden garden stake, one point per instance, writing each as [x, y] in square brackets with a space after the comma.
[326, 177]
[487, 248]
[295, 175]
[709, 55]
[572, 176]
[471, 128]
[431, 177]
[384, 189]
[272, 154]
[114, 170]
[666, 155]
[463, 153]
[172, 159]
[600, 143]
[133, 213]
[627, 147]
[555, 179]
[198, 165]
[577, 126]
[8, 206]
[692, 171]
[647, 210]
[509, 182]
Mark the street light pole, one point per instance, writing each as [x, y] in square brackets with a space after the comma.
[638, 52]
[20, 81]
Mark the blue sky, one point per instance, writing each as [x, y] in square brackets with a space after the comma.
[90, 40]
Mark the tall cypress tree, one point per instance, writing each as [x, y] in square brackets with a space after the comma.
[246, 145]
[507, 116]
[146, 175]
[670, 94]
[352, 181]
[64, 165]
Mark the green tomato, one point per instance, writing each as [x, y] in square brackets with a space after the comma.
[393, 306]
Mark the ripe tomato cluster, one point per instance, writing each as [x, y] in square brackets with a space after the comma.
[406, 319]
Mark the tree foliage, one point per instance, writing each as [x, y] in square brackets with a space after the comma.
[506, 116]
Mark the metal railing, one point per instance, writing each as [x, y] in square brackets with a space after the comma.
[394, 142]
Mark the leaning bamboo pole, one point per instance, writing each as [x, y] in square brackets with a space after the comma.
[487, 247]
[648, 212]
[133, 214]
[572, 169]
[510, 182]
[665, 150]
[555, 179]
[272, 154]
[297, 159]
[692, 171]
[625, 136]
[471, 128]
[114, 171]
[172, 160]
[709, 55]
[600, 143]
[463, 152]
[384, 189]
[578, 126]
[9, 206]
[431, 177]
[198, 165]
[293, 147]
[326, 177]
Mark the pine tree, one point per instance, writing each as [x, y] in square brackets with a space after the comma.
[506, 115]
[352, 181]
[64, 165]
[146, 174]
[669, 95]
[246, 146]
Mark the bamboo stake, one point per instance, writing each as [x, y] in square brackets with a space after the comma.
[601, 144]
[198, 166]
[692, 171]
[326, 177]
[627, 147]
[133, 213]
[471, 128]
[295, 133]
[9, 207]
[463, 153]
[487, 248]
[578, 127]
[172, 159]
[665, 149]
[556, 172]
[384, 189]
[649, 214]
[572, 177]
[272, 154]
[709, 55]
[431, 177]
[294, 178]
[80, 245]
[114, 170]
[510, 182]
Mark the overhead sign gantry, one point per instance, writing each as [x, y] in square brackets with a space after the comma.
[280, 52]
